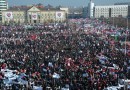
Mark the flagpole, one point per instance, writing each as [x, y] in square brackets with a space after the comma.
[125, 45]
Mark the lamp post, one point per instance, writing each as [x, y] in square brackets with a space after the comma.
[127, 23]
[113, 21]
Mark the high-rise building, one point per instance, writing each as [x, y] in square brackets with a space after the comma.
[3, 6]
[90, 9]
[84, 12]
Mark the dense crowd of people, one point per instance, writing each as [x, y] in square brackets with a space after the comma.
[62, 57]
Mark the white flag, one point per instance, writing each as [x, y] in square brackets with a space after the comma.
[59, 14]
[8, 15]
[34, 16]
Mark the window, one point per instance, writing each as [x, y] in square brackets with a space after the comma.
[3, 7]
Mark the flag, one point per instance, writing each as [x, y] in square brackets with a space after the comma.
[8, 15]
[34, 16]
[59, 15]
[116, 38]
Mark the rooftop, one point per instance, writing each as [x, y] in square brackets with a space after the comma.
[25, 8]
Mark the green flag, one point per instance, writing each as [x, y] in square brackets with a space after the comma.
[116, 37]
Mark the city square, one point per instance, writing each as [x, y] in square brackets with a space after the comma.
[45, 48]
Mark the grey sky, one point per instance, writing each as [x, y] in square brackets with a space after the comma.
[76, 3]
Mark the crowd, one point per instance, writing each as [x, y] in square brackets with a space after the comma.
[61, 58]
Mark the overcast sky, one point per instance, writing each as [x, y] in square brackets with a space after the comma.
[76, 3]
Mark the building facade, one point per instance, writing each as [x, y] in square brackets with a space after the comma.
[3, 6]
[111, 11]
[85, 12]
[33, 15]
[14, 16]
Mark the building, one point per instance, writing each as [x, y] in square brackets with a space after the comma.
[111, 11]
[75, 12]
[33, 15]
[3, 6]
[91, 9]
[41, 15]
[125, 3]
[65, 9]
[14, 16]
[85, 12]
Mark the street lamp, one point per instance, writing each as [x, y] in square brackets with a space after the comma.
[113, 21]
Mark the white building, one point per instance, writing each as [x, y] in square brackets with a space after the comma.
[32, 15]
[111, 11]
[3, 6]
[90, 9]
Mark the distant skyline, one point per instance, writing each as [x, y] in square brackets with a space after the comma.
[76, 3]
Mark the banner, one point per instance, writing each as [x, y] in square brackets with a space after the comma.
[34, 16]
[8, 15]
[59, 14]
